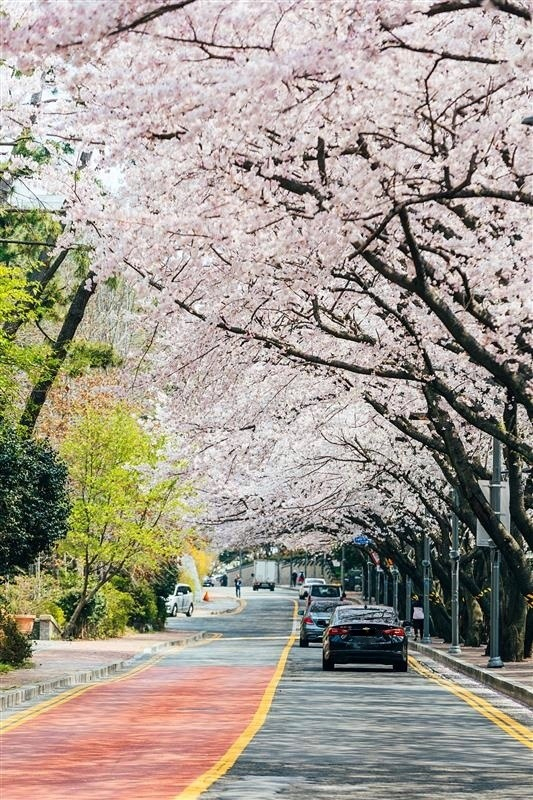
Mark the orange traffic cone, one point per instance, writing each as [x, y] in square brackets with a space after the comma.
[206, 597]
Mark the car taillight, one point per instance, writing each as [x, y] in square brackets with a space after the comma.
[338, 630]
[394, 632]
[309, 620]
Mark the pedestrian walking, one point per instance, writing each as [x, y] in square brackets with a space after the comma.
[300, 579]
[418, 618]
[294, 577]
[238, 584]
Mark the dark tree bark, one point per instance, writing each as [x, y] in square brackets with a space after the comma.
[58, 353]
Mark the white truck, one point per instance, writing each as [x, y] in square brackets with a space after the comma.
[264, 575]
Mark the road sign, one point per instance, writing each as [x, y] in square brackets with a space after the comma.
[482, 537]
[362, 540]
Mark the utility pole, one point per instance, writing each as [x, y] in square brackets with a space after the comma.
[455, 649]
[378, 584]
[395, 588]
[369, 566]
[426, 563]
[408, 593]
[495, 501]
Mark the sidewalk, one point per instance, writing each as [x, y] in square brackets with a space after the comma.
[59, 664]
[513, 679]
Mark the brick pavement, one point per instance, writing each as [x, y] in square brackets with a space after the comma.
[58, 664]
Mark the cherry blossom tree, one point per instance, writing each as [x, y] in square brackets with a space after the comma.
[344, 186]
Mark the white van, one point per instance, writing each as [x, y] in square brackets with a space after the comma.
[180, 601]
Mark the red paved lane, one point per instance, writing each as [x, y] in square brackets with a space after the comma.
[143, 738]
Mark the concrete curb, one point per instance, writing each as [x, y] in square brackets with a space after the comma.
[21, 694]
[520, 693]
[239, 605]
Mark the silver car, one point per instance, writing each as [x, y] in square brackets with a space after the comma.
[181, 601]
[306, 585]
[315, 620]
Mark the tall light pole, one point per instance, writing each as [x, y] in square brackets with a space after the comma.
[408, 593]
[385, 589]
[378, 584]
[495, 501]
[369, 566]
[342, 565]
[395, 588]
[455, 649]
[426, 563]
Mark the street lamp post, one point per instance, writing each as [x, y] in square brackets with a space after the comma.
[369, 566]
[495, 501]
[385, 589]
[408, 593]
[426, 563]
[342, 566]
[395, 588]
[378, 584]
[455, 649]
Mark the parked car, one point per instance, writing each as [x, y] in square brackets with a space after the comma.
[324, 591]
[304, 587]
[364, 635]
[181, 601]
[315, 620]
[209, 581]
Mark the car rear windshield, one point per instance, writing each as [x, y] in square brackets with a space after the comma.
[325, 591]
[323, 607]
[358, 614]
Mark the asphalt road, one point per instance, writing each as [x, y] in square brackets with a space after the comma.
[248, 715]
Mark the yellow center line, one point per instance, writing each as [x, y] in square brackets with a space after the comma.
[520, 732]
[203, 782]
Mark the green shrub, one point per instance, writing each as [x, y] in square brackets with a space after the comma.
[118, 607]
[148, 611]
[15, 647]
[89, 616]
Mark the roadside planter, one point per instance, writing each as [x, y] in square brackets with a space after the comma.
[24, 622]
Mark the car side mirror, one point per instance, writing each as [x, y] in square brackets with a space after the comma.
[300, 612]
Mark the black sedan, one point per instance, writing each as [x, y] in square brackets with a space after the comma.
[364, 635]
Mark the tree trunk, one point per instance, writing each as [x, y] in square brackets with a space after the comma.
[70, 628]
[513, 619]
[58, 353]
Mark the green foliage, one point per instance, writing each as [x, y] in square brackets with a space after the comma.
[145, 613]
[15, 647]
[107, 614]
[87, 618]
[86, 355]
[26, 235]
[15, 303]
[34, 503]
[33, 594]
[125, 519]
[116, 612]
